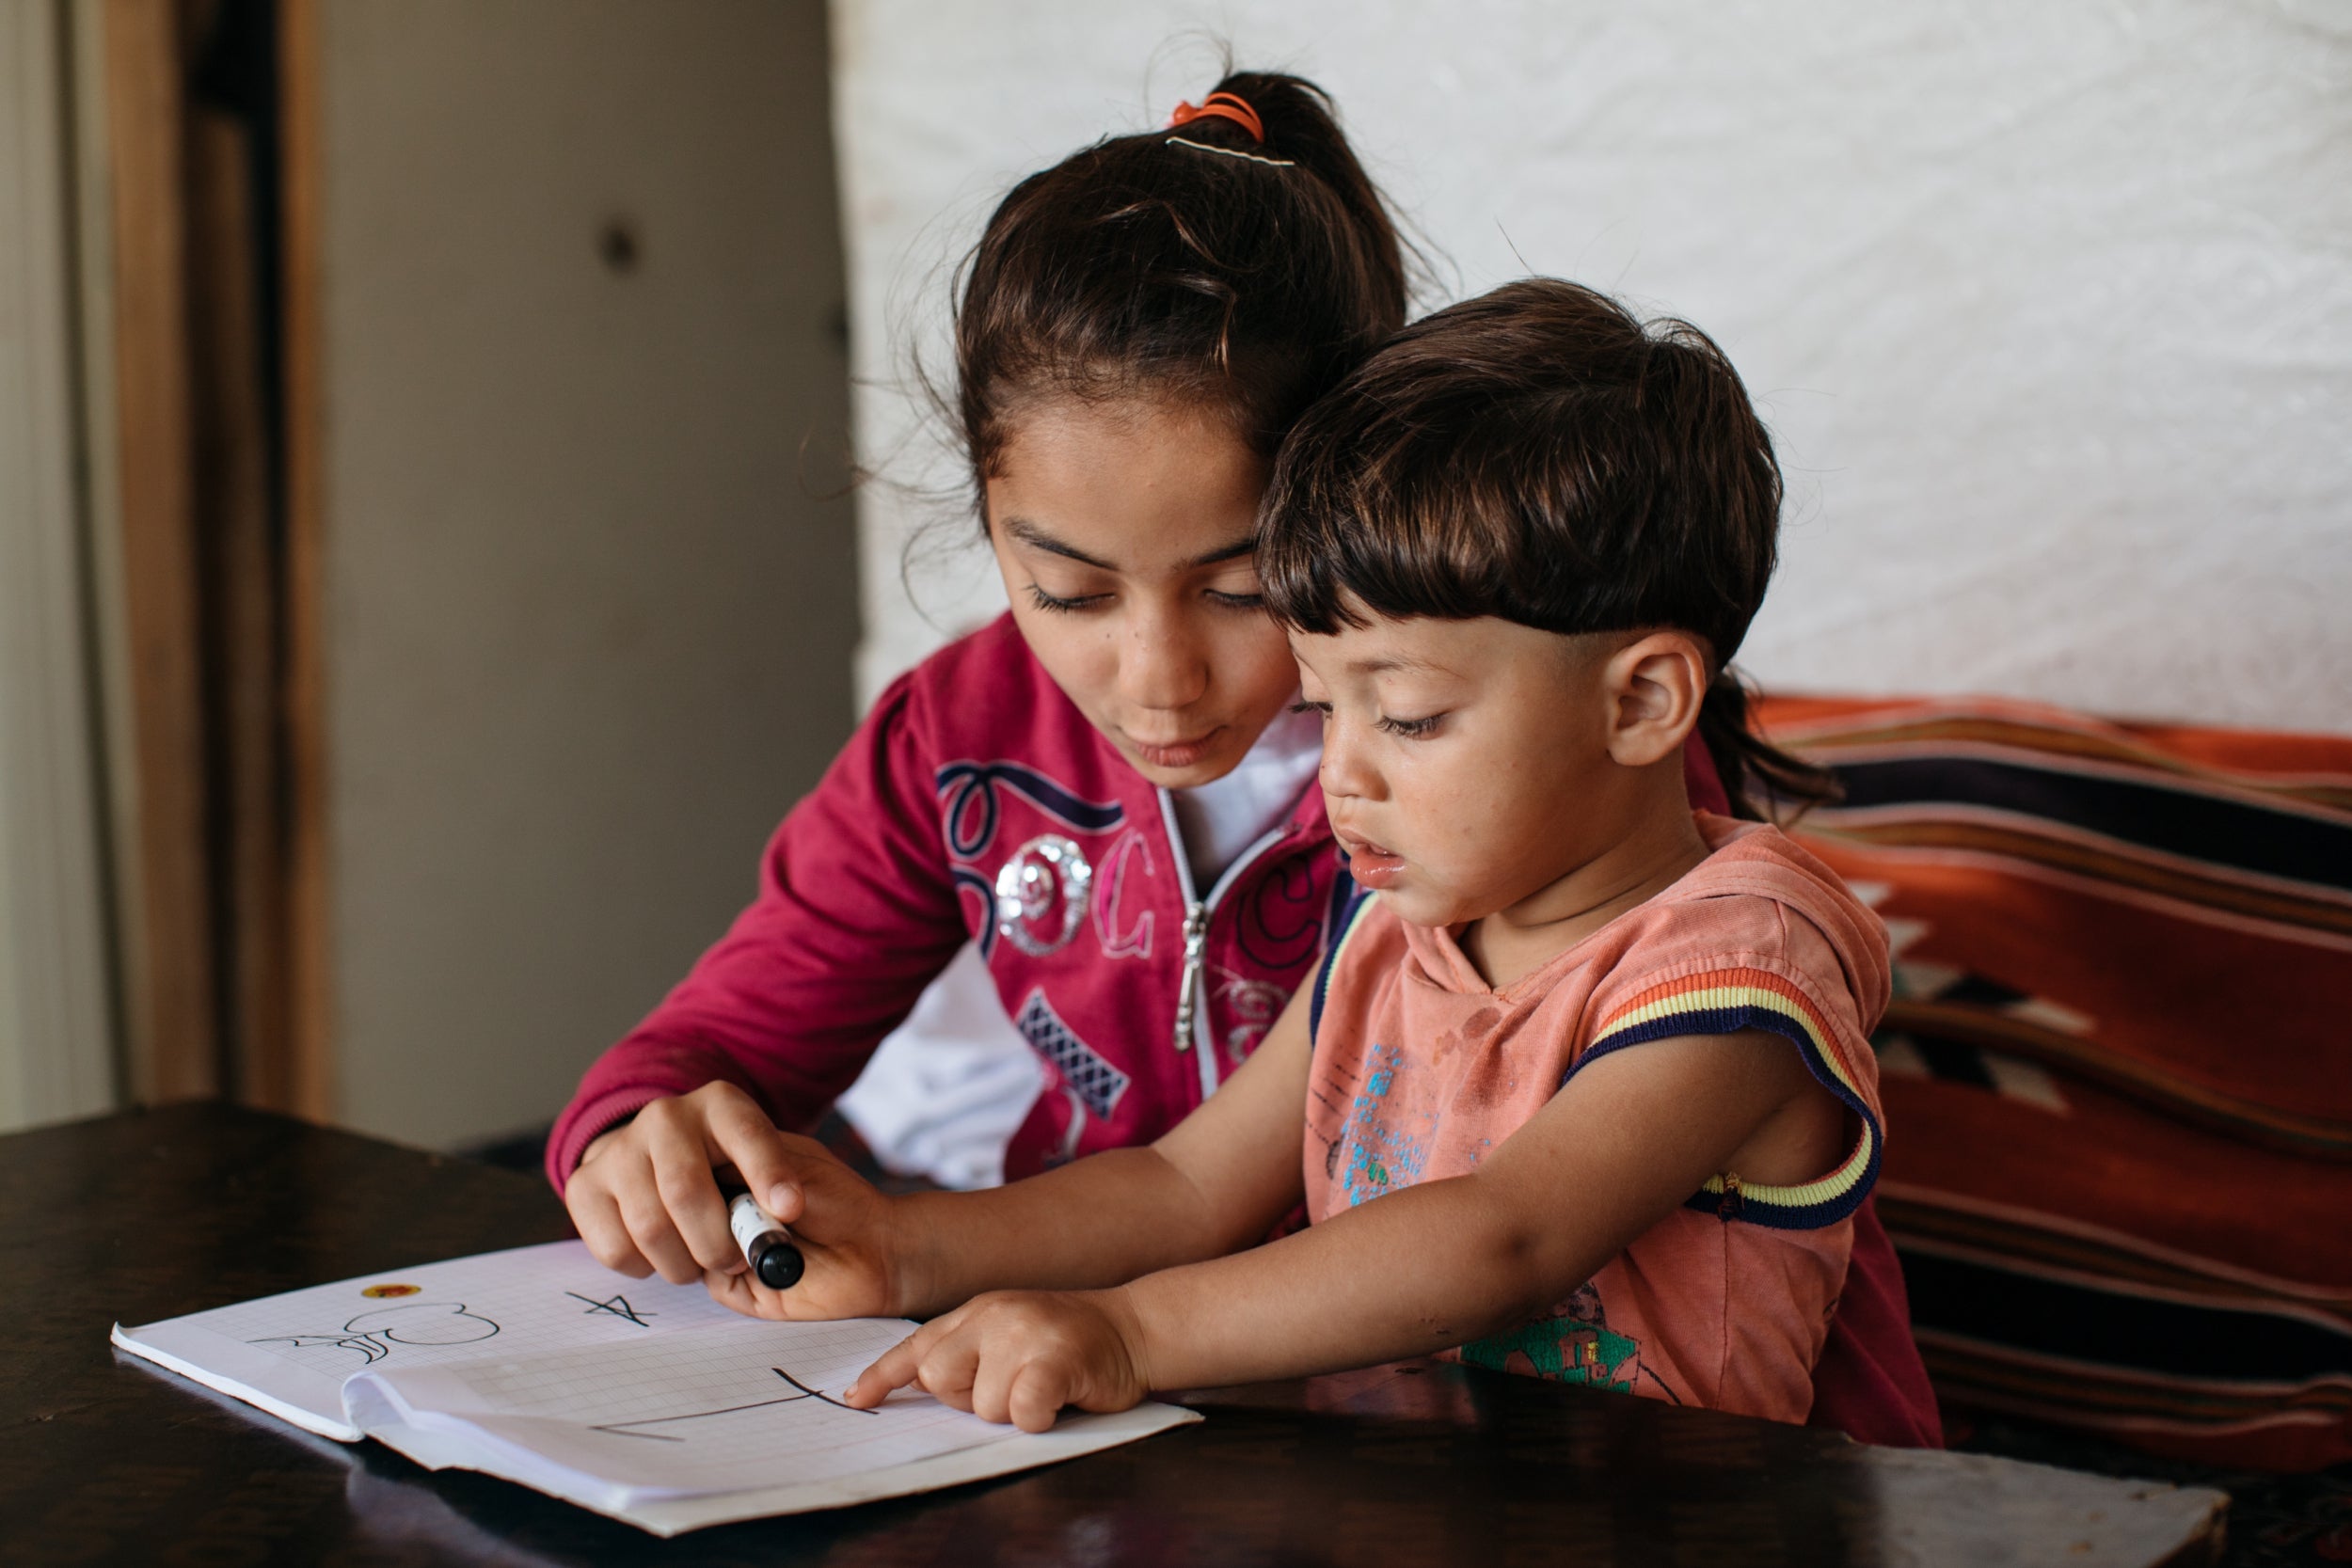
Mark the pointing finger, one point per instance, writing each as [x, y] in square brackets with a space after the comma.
[895, 1371]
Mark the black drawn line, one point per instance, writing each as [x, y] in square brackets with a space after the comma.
[816, 1394]
[625, 1429]
[618, 1306]
[375, 1341]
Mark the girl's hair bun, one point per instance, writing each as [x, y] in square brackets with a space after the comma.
[1145, 266]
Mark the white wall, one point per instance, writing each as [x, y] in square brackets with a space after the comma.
[588, 626]
[2050, 306]
[57, 1042]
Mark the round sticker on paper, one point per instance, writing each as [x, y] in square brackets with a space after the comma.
[378, 1293]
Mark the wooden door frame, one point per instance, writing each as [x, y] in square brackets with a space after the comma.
[147, 405]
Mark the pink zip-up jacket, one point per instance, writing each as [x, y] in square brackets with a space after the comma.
[976, 802]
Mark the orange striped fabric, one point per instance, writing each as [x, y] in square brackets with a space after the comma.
[2119, 1053]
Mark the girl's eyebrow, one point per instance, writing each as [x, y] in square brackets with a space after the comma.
[1246, 545]
[1037, 538]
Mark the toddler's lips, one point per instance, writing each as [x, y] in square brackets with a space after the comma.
[1369, 865]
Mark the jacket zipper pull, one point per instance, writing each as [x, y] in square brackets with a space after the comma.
[1188, 994]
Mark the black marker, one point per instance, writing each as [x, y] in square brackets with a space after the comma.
[767, 1245]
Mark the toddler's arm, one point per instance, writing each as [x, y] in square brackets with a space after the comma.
[1418, 1271]
[1219, 1180]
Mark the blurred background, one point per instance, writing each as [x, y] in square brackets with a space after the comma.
[429, 561]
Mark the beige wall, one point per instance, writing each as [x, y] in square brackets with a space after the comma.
[588, 631]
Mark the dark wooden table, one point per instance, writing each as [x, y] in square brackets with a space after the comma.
[147, 1215]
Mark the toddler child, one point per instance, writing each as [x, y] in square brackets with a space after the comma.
[1602, 1061]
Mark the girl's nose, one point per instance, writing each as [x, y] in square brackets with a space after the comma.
[1164, 663]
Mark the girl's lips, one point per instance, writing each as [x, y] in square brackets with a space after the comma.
[1180, 754]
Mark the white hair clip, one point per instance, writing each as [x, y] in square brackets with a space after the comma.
[1233, 152]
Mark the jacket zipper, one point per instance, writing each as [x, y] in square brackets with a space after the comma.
[1190, 1014]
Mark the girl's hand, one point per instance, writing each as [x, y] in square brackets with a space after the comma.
[1020, 1357]
[646, 1198]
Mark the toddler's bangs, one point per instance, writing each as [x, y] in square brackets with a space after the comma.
[1538, 454]
[1401, 517]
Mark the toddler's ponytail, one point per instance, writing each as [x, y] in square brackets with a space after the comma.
[1762, 781]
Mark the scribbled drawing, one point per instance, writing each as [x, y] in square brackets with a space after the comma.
[801, 1391]
[617, 1306]
[372, 1336]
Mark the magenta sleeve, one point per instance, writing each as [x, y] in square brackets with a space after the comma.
[856, 912]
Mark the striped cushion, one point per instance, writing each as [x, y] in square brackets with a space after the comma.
[2117, 1067]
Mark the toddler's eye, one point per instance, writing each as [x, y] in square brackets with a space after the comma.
[1322, 708]
[1412, 729]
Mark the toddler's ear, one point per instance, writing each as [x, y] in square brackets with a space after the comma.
[1655, 684]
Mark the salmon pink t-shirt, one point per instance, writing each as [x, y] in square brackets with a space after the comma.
[1421, 1068]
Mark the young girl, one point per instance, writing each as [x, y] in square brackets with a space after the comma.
[1100, 789]
[1605, 1071]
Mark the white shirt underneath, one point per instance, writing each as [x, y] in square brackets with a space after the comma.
[947, 1088]
[1222, 818]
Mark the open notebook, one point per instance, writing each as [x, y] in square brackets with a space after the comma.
[644, 1401]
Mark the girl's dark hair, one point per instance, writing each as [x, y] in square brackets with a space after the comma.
[1542, 456]
[1196, 264]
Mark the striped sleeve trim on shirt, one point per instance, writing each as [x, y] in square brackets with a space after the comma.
[1724, 1001]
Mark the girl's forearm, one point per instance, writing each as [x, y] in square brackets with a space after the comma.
[1420, 1271]
[1099, 1221]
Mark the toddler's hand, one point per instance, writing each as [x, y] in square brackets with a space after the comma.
[646, 1198]
[1020, 1357]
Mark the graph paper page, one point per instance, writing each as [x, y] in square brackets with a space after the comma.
[291, 1353]
[743, 1405]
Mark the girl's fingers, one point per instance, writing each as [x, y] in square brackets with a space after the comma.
[681, 1174]
[733, 1291]
[656, 1239]
[736, 1132]
[598, 1218]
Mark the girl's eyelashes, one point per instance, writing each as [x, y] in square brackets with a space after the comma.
[1323, 708]
[1060, 606]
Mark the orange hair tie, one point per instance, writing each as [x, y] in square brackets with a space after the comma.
[1221, 106]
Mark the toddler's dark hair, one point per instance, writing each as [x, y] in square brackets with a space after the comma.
[1199, 265]
[1541, 454]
